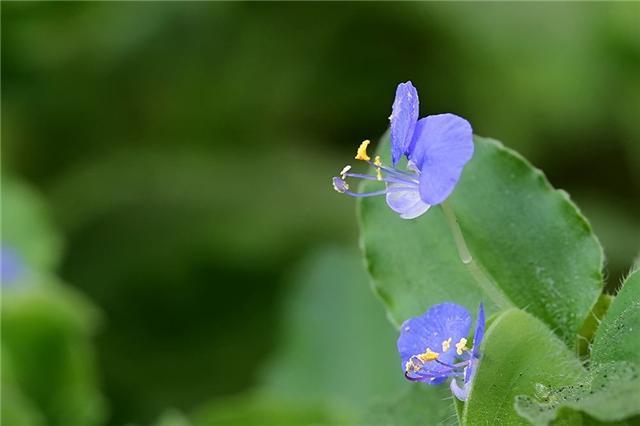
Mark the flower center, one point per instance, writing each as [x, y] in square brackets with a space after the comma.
[388, 175]
[414, 366]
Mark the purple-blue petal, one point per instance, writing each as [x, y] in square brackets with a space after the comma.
[442, 144]
[429, 330]
[478, 335]
[405, 200]
[462, 393]
[404, 115]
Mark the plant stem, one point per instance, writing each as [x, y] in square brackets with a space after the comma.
[476, 271]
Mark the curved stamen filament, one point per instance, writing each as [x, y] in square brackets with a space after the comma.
[445, 364]
[454, 366]
[384, 179]
[398, 173]
[373, 193]
[415, 369]
[366, 194]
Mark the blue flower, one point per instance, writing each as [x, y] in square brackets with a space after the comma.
[12, 267]
[437, 147]
[433, 347]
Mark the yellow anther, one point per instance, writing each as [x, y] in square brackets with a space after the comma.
[344, 171]
[446, 345]
[362, 151]
[428, 355]
[461, 346]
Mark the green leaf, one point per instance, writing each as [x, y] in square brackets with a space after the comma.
[617, 337]
[519, 355]
[610, 391]
[607, 393]
[419, 405]
[570, 417]
[459, 406]
[616, 341]
[530, 240]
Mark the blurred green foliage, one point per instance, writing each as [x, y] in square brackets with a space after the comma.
[27, 227]
[48, 361]
[335, 356]
[335, 335]
[184, 150]
[47, 358]
[416, 405]
[263, 411]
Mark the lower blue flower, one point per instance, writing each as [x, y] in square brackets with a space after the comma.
[433, 347]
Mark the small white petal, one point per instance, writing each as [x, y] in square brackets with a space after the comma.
[405, 200]
[461, 393]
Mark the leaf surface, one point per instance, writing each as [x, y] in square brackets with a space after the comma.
[610, 391]
[519, 355]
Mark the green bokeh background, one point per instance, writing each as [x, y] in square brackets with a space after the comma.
[167, 165]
